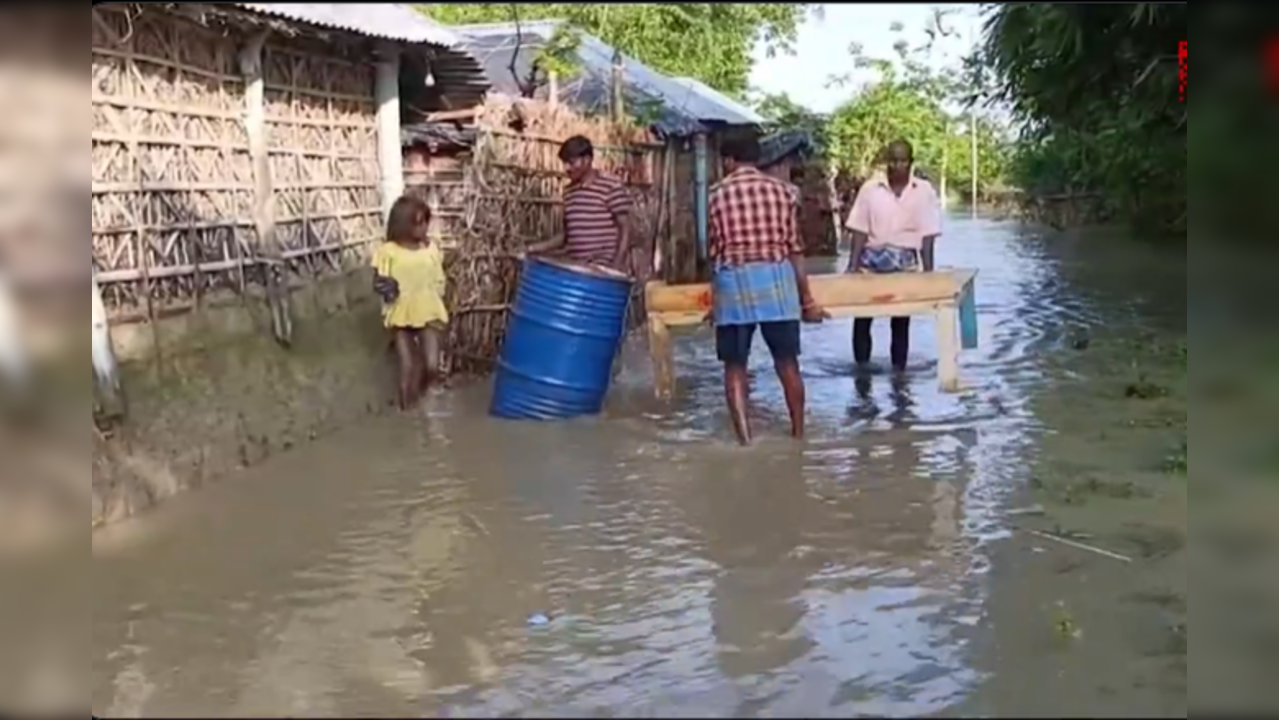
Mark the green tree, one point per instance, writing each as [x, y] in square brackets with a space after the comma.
[1095, 90]
[782, 113]
[930, 108]
[712, 42]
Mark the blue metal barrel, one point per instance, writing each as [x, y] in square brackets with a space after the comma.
[564, 331]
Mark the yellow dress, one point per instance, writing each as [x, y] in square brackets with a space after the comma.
[420, 274]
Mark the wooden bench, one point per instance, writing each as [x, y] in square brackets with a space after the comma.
[843, 296]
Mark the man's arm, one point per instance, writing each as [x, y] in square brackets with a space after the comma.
[619, 205]
[926, 252]
[858, 226]
[554, 243]
[383, 284]
[930, 225]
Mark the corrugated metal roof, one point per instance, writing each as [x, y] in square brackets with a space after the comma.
[682, 109]
[456, 70]
[711, 95]
[393, 21]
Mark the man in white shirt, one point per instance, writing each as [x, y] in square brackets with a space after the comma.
[894, 225]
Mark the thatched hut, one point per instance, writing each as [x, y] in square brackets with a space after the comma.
[494, 178]
[682, 114]
[244, 148]
[791, 156]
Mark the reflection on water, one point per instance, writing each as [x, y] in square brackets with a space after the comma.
[406, 566]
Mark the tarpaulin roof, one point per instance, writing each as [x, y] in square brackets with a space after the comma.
[778, 146]
[682, 106]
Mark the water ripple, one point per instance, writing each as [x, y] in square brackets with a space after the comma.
[397, 568]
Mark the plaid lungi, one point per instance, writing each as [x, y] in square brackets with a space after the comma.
[756, 292]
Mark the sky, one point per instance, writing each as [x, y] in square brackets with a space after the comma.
[822, 48]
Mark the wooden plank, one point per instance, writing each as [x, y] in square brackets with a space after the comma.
[842, 296]
[830, 291]
[698, 317]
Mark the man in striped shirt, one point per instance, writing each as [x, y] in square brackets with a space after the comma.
[758, 279]
[597, 210]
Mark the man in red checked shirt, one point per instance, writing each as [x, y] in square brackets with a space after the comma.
[758, 279]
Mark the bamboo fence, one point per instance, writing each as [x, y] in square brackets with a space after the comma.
[511, 198]
[173, 191]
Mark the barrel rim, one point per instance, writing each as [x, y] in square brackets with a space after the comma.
[595, 270]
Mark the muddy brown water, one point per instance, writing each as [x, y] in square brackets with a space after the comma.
[640, 564]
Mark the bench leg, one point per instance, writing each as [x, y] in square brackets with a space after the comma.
[947, 323]
[662, 355]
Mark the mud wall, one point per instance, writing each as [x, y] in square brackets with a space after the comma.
[211, 392]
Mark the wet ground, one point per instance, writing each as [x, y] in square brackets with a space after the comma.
[1014, 548]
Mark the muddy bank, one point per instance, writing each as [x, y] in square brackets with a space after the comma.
[1096, 568]
[212, 392]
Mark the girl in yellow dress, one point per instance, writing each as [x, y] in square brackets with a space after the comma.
[409, 276]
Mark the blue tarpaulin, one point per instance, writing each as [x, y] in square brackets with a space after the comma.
[680, 106]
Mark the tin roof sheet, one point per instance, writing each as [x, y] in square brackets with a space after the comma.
[392, 21]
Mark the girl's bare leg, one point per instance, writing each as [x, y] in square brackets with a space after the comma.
[407, 355]
[430, 354]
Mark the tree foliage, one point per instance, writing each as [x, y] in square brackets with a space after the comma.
[1095, 90]
[712, 42]
[782, 114]
[908, 99]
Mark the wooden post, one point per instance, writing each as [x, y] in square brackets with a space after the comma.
[662, 354]
[941, 181]
[701, 195]
[670, 273]
[389, 147]
[267, 248]
[106, 372]
[947, 325]
[836, 207]
[553, 88]
[618, 105]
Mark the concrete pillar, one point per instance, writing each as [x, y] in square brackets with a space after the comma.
[389, 151]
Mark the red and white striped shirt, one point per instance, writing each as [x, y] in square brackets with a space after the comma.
[594, 211]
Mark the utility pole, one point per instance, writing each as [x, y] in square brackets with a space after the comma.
[972, 132]
[972, 124]
[942, 180]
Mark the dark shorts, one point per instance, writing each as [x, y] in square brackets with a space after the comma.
[733, 342]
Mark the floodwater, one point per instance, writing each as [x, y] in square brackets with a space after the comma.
[641, 564]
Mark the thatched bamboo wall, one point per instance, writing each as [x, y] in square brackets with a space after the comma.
[684, 266]
[513, 184]
[818, 204]
[172, 179]
[438, 176]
